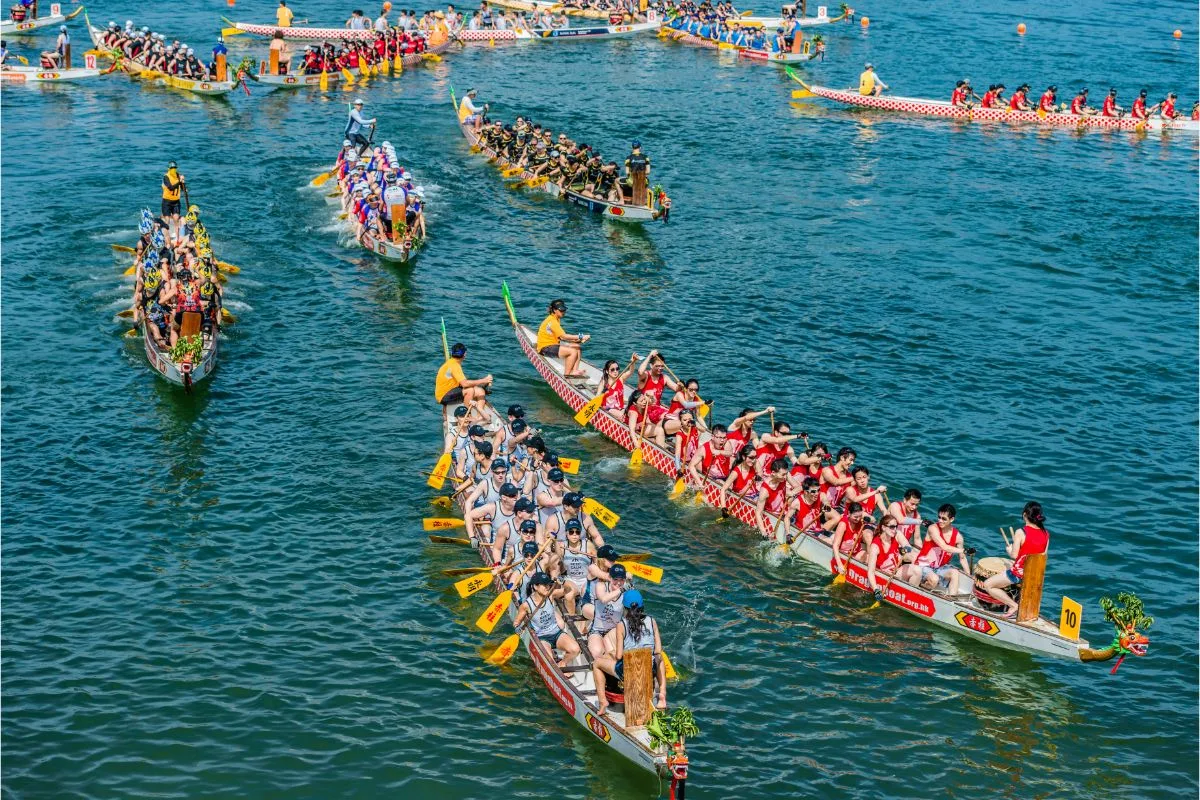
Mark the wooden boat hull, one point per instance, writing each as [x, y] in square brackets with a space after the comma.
[617, 211]
[960, 616]
[942, 108]
[209, 88]
[39, 75]
[761, 56]
[569, 691]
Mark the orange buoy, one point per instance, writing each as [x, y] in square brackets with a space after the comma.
[1178, 34]
[230, 3]
[1020, 28]
[864, 21]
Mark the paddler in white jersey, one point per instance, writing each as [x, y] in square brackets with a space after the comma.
[604, 609]
[636, 631]
[458, 436]
[487, 487]
[482, 520]
[545, 623]
[549, 497]
[506, 535]
[574, 556]
[572, 509]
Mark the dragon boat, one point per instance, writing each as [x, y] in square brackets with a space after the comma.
[303, 80]
[45, 75]
[552, 6]
[25, 26]
[302, 34]
[944, 109]
[788, 14]
[965, 616]
[574, 689]
[483, 36]
[397, 250]
[775, 57]
[610, 31]
[135, 68]
[657, 205]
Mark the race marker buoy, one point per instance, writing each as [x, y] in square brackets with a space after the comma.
[864, 21]
[1020, 28]
[1178, 34]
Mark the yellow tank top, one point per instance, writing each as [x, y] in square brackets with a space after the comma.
[449, 375]
[866, 83]
[171, 177]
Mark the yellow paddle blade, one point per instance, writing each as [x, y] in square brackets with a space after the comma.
[598, 510]
[585, 414]
[386, 66]
[449, 540]
[230, 268]
[635, 556]
[131, 270]
[460, 571]
[488, 619]
[336, 193]
[125, 313]
[437, 479]
[469, 586]
[800, 93]
[132, 333]
[677, 489]
[431, 57]
[324, 177]
[227, 32]
[222, 277]
[441, 502]
[643, 571]
[441, 523]
[25, 60]
[508, 173]
[505, 651]
[324, 82]
[398, 64]
[699, 499]
[533, 183]
[474, 148]
[873, 606]
[120, 248]
[569, 465]
[703, 410]
[227, 317]
[344, 216]
[348, 78]
[668, 667]
[838, 580]
[635, 458]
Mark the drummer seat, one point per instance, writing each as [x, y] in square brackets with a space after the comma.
[190, 325]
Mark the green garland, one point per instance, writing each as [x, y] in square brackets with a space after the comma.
[187, 346]
[665, 730]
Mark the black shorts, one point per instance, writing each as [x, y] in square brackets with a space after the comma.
[453, 397]
[550, 351]
[170, 207]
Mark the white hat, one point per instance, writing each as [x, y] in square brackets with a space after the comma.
[358, 101]
[347, 143]
[191, 52]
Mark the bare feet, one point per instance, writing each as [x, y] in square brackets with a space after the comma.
[661, 705]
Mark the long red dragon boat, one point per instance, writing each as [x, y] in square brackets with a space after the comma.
[964, 616]
[943, 108]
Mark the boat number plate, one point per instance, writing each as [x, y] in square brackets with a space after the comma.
[978, 624]
[598, 727]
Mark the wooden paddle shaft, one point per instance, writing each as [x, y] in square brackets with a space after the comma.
[639, 686]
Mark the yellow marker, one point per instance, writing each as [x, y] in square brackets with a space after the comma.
[1071, 619]
[644, 571]
[442, 523]
[601, 512]
[569, 465]
[438, 477]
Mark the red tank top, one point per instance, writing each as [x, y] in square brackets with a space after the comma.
[655, 387]
[712, 463]
[691, 441]
[614, 398]
[884, 558]
[806, 518]
[933, 556]
[1036, 541]
[743, 476]
[774, 496]
[738, 437]
[852, 535]
[833, 492]
[869, 504]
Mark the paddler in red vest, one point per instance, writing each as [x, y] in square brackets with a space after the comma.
[810, 512]
[713, 460]
[907, 513]
[810, 462]
[772, 496]
[612, 384]
[1031, 539]
[1079, 104]
[989, 97]
[931, 568]
[1196, 110]
[741, 430]
[1166, 109]
[1018, 101]
[860, 490]
[651, 378]
[1138, 109]
[848, 537]
[742, 480]
[835, 479]
[687, 437]
[883, 556]
[775, 445]
[1110, 107]
[958, 97]
[1049, 100]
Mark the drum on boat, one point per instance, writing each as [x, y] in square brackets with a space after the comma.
[986, 568]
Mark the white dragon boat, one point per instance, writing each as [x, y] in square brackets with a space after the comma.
[944, 109]
[11, 27]
[45, 75]
[611, 31]
[788, 14]
[134, 67]
[961, 615]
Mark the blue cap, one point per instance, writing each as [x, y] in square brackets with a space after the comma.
[633, 597]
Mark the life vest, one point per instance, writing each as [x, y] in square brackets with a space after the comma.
[169, 179]
[189, 298]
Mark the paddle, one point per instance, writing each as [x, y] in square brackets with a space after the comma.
[441, 523]
[840, 578]
[121, 248]
[321, 180]
[437, 478]
[636, 458]
[505, 651]
[569, 465]
[469, 586]
[635, 557]
[227, 32]
[488, 619]
[886, 586]
[460, 571]
[644, 571]
[450, 540]
[585, 414]
[668, 667]
[601, 512]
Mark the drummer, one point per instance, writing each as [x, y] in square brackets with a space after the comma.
[1032, 539]
[554, 342]
[637, 630]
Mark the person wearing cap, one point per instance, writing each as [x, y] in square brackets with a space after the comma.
[477, 466]
[172, 184]
[60, 56]
[508, 536]
[1079, 105]
[1109, 107]
[549, 496]
[554, 342]
[637, 630]
[1048, 103]
[355, 126]
[1138, 109]
[1166, 109]
[869, 83]
[572, 510]
[506, 439]
[539, 612]
[488, 488]
[491, 508]
[603, 609]
[453, 387]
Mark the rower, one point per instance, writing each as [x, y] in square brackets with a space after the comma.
[1018, 101]
[544, 620]
[549, 498]
[1033, 538]
[1166, 109]
[860, 491]
[931, 568]
[773, 496]
[172, 185]
[848, 537]
[958, 97]
[512, 537]
[1048, 100]
[687, 437]
[572, 511]
[712, 460]
[612, 383]
[883, 555]
[605, 610]
[835, 479]
[1110, 108]
[651, 378]
[1079, 104]
[741, 430]
[742, 479]
[643, 417]
[869, 83]
[1138, 110]
[485, 517]
[356, 124]
[906, 513]
[636, 631]
[992, 97]
[776, 445]
[554, 342]
[453, 387]
[477, 466]
[575, 555]
[811, 513]
[457, 438]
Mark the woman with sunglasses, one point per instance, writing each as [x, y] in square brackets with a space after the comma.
[883, 556]
[612, 383]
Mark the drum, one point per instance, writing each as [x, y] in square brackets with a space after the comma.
[17, 13]
[986, 568]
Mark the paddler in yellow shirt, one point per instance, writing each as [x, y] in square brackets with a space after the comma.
[453, 387]
[869, 83]
[283, 15]
[554, 342]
